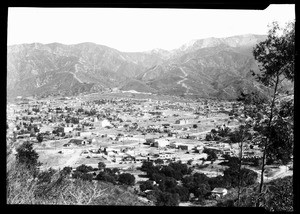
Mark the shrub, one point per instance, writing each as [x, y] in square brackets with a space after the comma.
[84, 169]
[83, 176]
[208, 137]
[189, 162]
[126, 178]
[247, 176]
[146, 185]
[203, 190]
[101, 165]
[66, 170]
[157, 177]
[182, 168]
[168, 171]
[168, 184]
[40, 137]
[148, 167]
[159, 161]
[104, 176]
[217, 182]
[182, 192]
[167, 199]
[211, 155]
[45, 177]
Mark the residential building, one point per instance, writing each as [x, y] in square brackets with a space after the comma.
[219, 192]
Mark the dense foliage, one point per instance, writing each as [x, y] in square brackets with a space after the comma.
[218, 134]
[276, 196]
[27, 156]
[166, 179]
[126, 178]
[211, 154]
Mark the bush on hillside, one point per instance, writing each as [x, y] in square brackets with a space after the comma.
[126, 178]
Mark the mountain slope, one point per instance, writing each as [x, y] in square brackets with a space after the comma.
[217, 67]
[219, 71]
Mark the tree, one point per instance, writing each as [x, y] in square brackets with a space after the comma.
[281, 134]
[40, 137]
[276, 57]
[239, 177]
[82, 175]
[27, 156]
[159, 161]
[180, 167]
[189, 162]
[158, 177]
[104, 176]
[167, 199]
[126, 178]
[188, 182]
[169, 184]
[45, 176]
[101, 165]
[217, 182]
[240, 136]
[146, 185]
[194, 183]
[147, 166]
[182, 192]
[66, 170]
[211, 155]
[84, 169]
[202, 191]
[277, 196]
[170, 172]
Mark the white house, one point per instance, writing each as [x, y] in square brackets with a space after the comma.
[199, 149]
[85, 134]
[202, 156]
[161, 143]
[94, 140]
[166, 156]
[105, 123]
[68, 129]
[219, 192]
[182, 122]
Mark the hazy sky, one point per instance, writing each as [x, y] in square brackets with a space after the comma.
[137, 29]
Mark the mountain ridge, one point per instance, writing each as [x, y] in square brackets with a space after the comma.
[37, 69]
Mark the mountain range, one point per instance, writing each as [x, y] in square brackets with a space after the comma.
[211, 67]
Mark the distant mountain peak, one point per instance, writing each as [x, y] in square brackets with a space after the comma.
[232, 41]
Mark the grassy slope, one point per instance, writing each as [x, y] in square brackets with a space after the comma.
[23, 189]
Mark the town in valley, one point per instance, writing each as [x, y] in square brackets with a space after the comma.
[124, 129]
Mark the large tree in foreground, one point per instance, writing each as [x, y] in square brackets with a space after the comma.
[27, 156]
[276, 56]
[240, 136]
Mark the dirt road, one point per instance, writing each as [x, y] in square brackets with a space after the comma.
[180, 82]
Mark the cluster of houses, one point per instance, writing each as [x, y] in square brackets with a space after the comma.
[74, 118]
